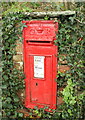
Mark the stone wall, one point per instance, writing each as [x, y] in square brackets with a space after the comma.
[18, 58]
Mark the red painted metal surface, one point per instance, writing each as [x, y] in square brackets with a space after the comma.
[40, 30]
[40, 63]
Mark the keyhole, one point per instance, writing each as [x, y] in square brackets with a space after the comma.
[36, 84]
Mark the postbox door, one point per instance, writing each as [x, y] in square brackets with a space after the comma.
[41, 79]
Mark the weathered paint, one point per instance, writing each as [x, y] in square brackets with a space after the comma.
[40, 63]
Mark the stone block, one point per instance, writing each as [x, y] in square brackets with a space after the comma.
[60, 100]
[19, 47]
[63, 68]
[21, 95]
[19, 65]
[18, 58]
[62, 59]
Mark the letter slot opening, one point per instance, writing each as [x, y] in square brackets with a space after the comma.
[38, 41]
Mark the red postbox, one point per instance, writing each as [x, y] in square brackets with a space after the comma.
[40, 63]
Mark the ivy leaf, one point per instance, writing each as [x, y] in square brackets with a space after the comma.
[8, 99]
[72, 19]
[16, 99]
[4, 86]
[46, 18]
[5, 77]
[20, 114]
[69, 111]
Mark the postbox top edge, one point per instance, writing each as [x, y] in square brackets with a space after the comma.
[40, 21]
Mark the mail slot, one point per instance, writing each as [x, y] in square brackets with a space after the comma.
[40, 63]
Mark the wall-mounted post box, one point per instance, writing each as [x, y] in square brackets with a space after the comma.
[40, 63]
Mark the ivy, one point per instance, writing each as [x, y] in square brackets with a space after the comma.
[70, 41]
[12, 78]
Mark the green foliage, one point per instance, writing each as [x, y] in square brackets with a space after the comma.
[17, 7]
[12, 79]
[46, 18]
[35, 4]
[70, 41]
[41, 112]
[68, 93]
